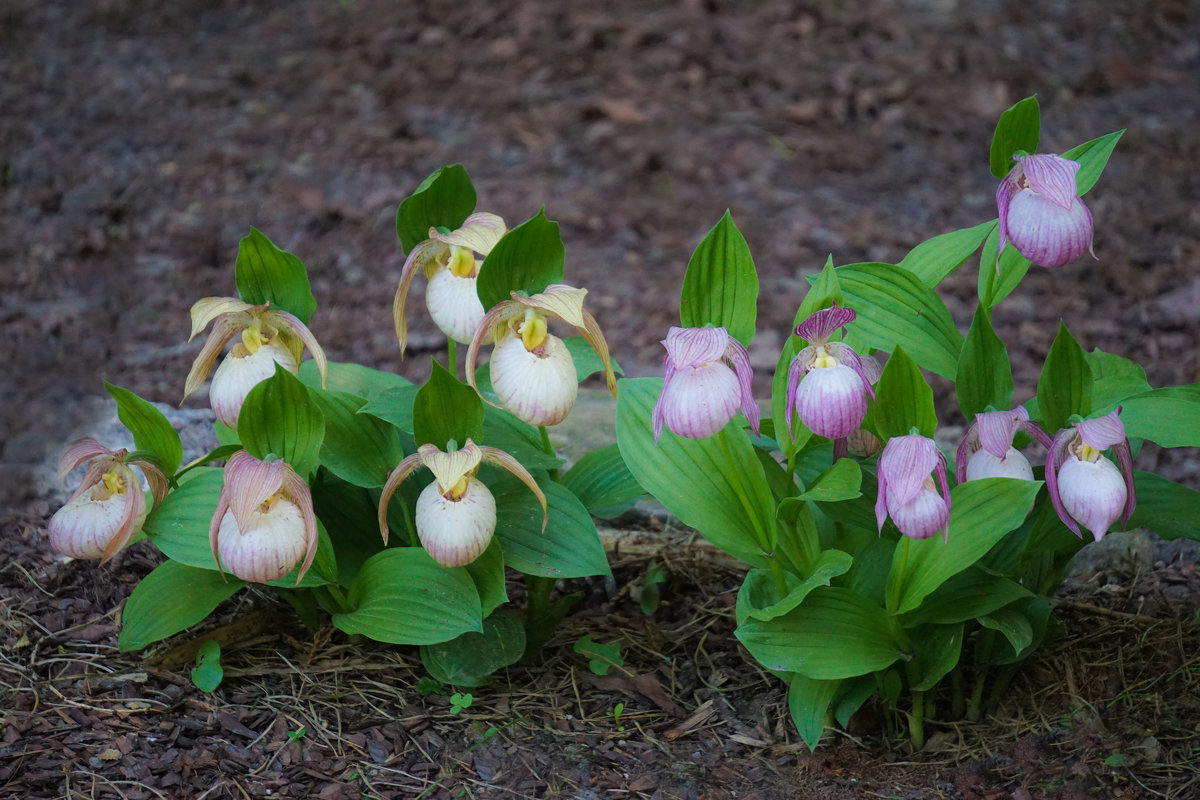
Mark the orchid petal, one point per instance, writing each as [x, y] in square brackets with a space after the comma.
[417, 259]
[159, 485]
[1125, 461]
[845, 354]
[1102, 432]
[995, 430]
[504, 460]
[595, 337]
[940, 471]
[658, 415]
[296, 490]
[871, 371]
[214, 526]
[302, 332]
[881, 500]
[1051, 176]
[224, 330]
[77, 452]
[559, 300]
[820, 326]
[1005, 192]
[449, 468]
[251, 483]
[1054, 460]
[905, 463]
[740, 359]
[135, 511]
[1034, 429]
[796, 371]
[962, 455]
[91, 476]
[207, 309]
[693, 347]
[479, 232]
[397, 476]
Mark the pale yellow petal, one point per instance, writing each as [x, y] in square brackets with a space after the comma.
[560, 300]
[209, 308]
[449, 468]
[479, 232]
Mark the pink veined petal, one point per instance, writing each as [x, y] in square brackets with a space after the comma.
[1054, 459]
[159, 485]
[77, 452]
[881, 500]
[1004, 195]
[1125, 462]
[963, 454]
[996, 430]
[305, 335]
[92, 475]
[1051, 176]
[214, 526]
[1102, 432]
[943, 483]
[135, 511]
[296, 489]
[657, 416]
[251, 483]
[417, 260]
[871, 371]
[1034, 430]
[830, 401]
[225, 329]
[736, 353]
[693, 347]
[905, 463]
[845, 354]
[796, 371]
[820, 326]
[479, 232]
[207, 309]
[505, 461]
[396, 477]
[490, 320]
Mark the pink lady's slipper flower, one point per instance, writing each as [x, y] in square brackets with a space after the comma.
[449, 263]
[1041, 212]
[456, 514]
[827, 385]
[906, 489]
[268, 336]
[987, 452]
[108, 508]
[264, 524]
[531, 369]
[707, 382]
[1084, 485]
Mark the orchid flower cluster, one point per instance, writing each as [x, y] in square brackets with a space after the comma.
[884, 559]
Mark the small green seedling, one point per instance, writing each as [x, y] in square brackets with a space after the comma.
[208, 673]
[617, 711]
[656, 574]
[460, 701]
[600, 656]
[296, 735]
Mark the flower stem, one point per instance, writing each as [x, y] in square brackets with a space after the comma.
[916, 720]
[549, 448]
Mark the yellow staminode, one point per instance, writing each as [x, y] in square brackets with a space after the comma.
[114, 481]
[824, 360]
[533, 329]
[253, 338]
[461, 262]
[1085, 452]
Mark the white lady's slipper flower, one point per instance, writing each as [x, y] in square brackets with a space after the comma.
[1041, 212]
[987, 452]
[1086, 487]
[708, 380]
[906, 489]
[827, 385]
[264, 524]
[108, 508]
[456, 514]
[531, 369]
[267, 337]
[449, 263]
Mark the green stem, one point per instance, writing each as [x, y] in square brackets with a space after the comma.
[336, 597]
[537, 608]
[549, 448]
[896, 587]
[916, 720]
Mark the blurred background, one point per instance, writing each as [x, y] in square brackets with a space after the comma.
[140, 141]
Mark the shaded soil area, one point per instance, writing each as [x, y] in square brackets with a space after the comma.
[139, 142]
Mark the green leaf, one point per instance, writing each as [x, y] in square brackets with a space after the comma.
[279, 418]
[394, 406]
[937, 650]
[833, 634]
[981, 512]
[529, 258]
[1012, 622]
[842, 481]
[470, 659]
[759, 598]
[995, 285]
[984, 376]
[603, 483]
[1065, 385]
[720, 287]
[1113, 379]
[358, 448]
[903, 400]
[808, 702]
[355, 379]
[895, 307]
[587, 362]
[1018, 129]
[516, 437]
[850, 697]
[1169, 417]
[178, 526]
[569, 547]
[969, 594]
[171, 598]
[933, 259]
[488, 573]
[402, 596]
[600, 656]
[1167, 508]
[349, 513]
[1092, 157]
[446, 409]
[691, 477]
[443, 200]
[266, 274]
[208, 674]
[1033, 629]
[151, 430]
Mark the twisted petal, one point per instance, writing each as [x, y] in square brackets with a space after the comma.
[1005, 192]
[820, 326]
[479, 232]
[1051, 176]
[251, 483]
[135, 512]
[292, 324]
[418, 259]
[595, 337]
[796, 371]
[505, 461]
[1054, 460]
[159, 485]
[397, 476]
[693, 347]
[1125, 461]
[905, 463]
[736, 354]
[77, 452]
[963, 454]
[225, 329]
[207, 309]
[296, 490]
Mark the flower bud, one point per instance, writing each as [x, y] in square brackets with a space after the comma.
[240, 372]
[456, 530]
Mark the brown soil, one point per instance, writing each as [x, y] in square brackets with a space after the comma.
[138, 143]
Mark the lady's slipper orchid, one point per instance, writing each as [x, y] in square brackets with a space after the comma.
[827, 385]
[456, 513]
[987, 452]
[108, 508]
[449, 263]
[268, 336]
[1041, 212]
[906, 488]
[708, 380]
[1086, 487]
[861, 442]
[531, 369]
[264, 524]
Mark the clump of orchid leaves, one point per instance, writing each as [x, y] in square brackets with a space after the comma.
[882, 560]
[385, 508]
